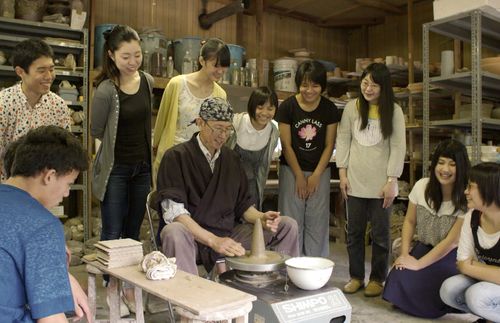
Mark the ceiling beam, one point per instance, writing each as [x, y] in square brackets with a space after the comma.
[332, 23]
[269, 3]
[377, 4]
[340, 12]
[348, 23]
[297, 4]
[295, 15]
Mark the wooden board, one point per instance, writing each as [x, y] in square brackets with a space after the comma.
[193, 293]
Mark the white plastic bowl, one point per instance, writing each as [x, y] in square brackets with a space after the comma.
[309, 273]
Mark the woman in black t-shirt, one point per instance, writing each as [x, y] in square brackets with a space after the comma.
[308, 125]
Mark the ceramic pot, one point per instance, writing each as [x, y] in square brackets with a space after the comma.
[30, 9]
[495, 113]
[447, 62]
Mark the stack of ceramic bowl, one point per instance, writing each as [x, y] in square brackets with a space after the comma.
[301, 54]
[488, 153]
[465, 111]
[491, 64]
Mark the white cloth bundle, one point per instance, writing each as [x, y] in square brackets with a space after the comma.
[157, 266]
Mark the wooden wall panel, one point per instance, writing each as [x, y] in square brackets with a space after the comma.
[179, 18]
[391, 37]
[282, 34]
[176, 18]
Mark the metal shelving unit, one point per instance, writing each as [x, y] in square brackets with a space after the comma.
[480, 29]
[63, 41]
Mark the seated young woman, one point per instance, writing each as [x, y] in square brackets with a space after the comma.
[477, 288]
[435, 214]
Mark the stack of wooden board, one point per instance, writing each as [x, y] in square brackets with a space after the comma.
[119, 253]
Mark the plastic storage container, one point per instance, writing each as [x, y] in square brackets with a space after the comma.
[154, 41]
[99, 42]
[191, 44]
[265, 77]
[284, 74]
[69, 94]
[237, 52]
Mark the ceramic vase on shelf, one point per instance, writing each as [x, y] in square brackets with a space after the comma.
[447, 63]
[30, 9]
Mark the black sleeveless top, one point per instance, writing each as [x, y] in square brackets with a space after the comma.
[489, 256]
[131, 146]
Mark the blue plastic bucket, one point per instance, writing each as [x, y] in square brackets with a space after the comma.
[237, 53]
[99, 42]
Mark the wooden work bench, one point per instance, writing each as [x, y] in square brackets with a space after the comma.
[195, 299]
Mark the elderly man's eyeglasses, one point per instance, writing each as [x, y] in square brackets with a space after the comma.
[221, 130]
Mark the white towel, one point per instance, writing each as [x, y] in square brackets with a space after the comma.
[157, 266]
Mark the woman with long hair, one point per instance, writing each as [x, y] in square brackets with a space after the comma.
[182, 98]
[371, 147]
[435, 215]
[121, 119]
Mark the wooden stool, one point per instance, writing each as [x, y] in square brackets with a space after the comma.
[114, 314]
[240, 314]
[196, 298]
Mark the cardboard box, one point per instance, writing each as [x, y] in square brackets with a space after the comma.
[58, 211]
[446, 8]
[70, 95]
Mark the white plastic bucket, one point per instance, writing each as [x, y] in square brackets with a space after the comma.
[284, 74]
[253, 64]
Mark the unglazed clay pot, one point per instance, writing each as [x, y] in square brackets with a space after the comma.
[495, 113]
[2, 58]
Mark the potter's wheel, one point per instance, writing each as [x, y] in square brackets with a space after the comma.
[257, 262]
[271, 261]
[257, 273]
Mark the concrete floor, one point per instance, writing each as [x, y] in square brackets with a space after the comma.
[364, 310]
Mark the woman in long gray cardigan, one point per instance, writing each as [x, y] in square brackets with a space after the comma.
[121, 119]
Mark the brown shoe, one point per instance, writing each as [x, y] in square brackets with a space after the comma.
[373, 289]
[353, 286]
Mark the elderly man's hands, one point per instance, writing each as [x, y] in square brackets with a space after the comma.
[271, 220]
[227, 246]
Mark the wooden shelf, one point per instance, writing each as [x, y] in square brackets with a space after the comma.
[282, 95]
[161, 82]
[462, 82]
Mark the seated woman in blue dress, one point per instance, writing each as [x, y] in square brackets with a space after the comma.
[435, 214]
